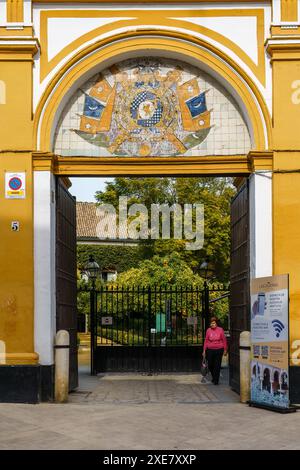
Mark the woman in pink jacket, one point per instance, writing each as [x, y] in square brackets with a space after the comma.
[215, 345]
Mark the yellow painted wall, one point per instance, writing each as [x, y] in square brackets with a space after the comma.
[16, 248]
[14, 10]
[286, 107]
[287, 242]
[286, 182]
[289, 10]
[16, 264]
[16, 114]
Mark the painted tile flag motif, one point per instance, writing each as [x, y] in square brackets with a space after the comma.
[141, 114]
[92, 107]
[197, 105]
[151, 107]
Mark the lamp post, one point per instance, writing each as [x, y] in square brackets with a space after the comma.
[92, 270]
[207, 272]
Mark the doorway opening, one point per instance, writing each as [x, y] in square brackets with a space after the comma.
[178, 124]
[151, 314]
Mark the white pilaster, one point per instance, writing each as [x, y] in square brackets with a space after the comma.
[276, 9]
[44, 265]
[2, 11]
[260, 200]
[27, 12]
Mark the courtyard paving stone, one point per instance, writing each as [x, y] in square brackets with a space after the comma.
[132, 411]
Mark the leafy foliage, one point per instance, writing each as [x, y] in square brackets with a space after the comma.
[121, 257]
[214, 193]
[161, 271]
[167, 262]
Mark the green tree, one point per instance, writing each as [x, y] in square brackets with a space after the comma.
[214, 193]
[161, 271]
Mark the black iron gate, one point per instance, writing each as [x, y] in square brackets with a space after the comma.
[149, 329]
[239, 279]
[66, 279]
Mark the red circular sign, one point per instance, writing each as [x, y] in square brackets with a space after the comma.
[15, 183]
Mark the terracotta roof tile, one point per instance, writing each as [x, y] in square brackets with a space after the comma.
[86, 219]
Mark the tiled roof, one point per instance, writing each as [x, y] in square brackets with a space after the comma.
[86, 219]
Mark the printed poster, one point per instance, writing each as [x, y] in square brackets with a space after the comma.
[270, 341]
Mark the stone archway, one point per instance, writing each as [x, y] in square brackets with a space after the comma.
[170, 45]
[64, 113]
[151, 107]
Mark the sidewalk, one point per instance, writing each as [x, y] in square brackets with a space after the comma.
[131, 411]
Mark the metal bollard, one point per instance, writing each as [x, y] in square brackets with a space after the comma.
[2, 352]
[245, 358]
[62, 347]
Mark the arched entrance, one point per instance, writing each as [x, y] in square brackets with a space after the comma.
[110, 111]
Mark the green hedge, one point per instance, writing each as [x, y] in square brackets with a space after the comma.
[122, 257]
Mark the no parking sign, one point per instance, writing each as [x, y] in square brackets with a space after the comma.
[15, 185]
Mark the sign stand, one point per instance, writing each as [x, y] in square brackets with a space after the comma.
[290, 409]
[270, 388]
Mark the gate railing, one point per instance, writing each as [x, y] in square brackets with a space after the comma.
[150, 317]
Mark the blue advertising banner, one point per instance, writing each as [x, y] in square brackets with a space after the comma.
[270, 341]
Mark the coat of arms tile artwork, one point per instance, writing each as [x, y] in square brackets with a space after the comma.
[151, 107]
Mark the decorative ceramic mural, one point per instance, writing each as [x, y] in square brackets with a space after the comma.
[151, 107]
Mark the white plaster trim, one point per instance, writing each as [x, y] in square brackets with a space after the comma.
[40, 88]
[276, 11]
[3, 17]
[15, 41]
[27, 12]
[161, 54]
[220, 46]
[287, 23]
[36, 21]
[268, 67]
[12, 26]
[240, 30]
[151, 6]
[37, 8]
[260, 202]
[44, 266]
[283, 41]
[62, 31]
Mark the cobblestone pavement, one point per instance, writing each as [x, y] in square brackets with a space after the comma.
[134, 412]
[143, 388]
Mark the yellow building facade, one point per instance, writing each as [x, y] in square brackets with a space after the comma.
[132, 88]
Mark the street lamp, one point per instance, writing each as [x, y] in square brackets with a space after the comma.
[92, 270]
[206, 270]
